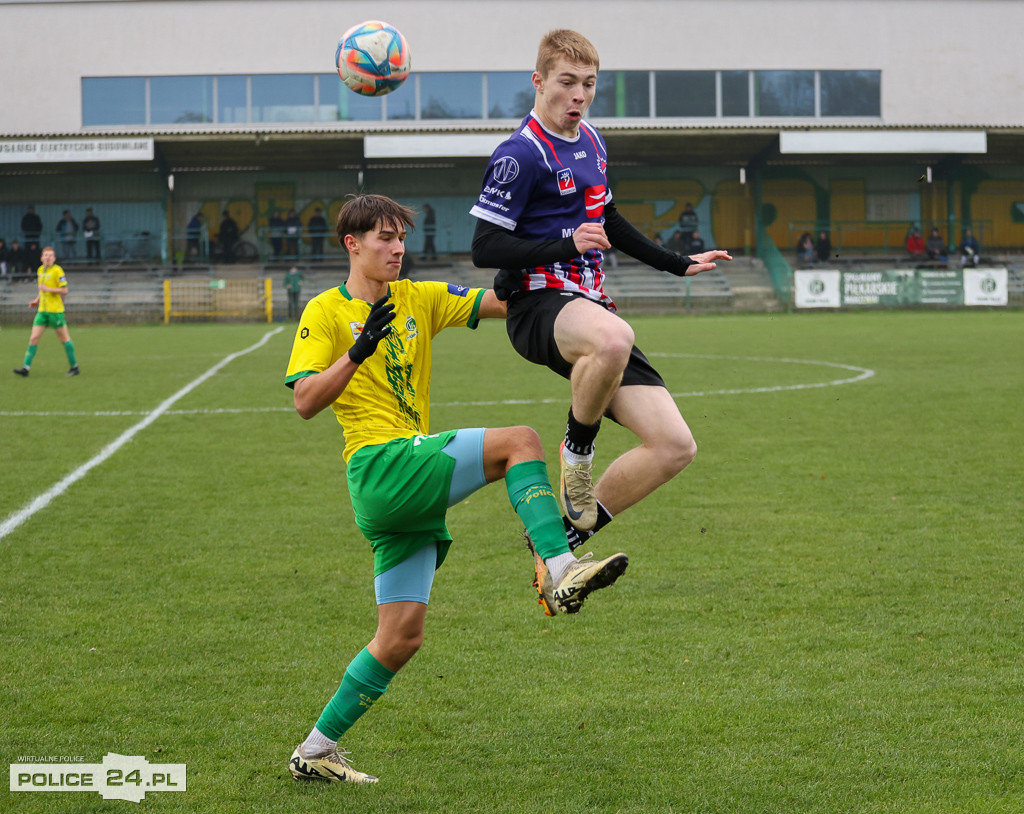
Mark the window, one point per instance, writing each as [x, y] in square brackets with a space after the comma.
[851, 93]
[784, 93]
[339, 104]
[622, 94]
[735, 93]
[451, 96]
[509, 95]
[180, 99]
[286, 98]
[684, 93]
[309, 98]
[113, 100]
[232, 99]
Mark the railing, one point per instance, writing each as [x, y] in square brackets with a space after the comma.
[778, 267]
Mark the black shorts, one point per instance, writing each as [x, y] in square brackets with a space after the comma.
[531, 327]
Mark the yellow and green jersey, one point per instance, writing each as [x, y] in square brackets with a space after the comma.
[53, 277]
[389, 395]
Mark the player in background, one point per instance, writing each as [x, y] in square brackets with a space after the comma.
[53, 287]
[363, 350]
[545, 217]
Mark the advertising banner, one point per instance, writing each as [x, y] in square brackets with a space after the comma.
[894, 288]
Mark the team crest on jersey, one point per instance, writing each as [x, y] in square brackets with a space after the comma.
[357, 329]
[566, 184]
[602, 165]
[410, 328]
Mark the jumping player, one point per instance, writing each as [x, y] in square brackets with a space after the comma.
[545, 217]
[53, 287]
[370, 363]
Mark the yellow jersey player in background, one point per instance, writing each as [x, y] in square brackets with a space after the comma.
[364, 350]
[53, 287]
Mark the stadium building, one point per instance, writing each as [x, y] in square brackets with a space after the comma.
[861, 118]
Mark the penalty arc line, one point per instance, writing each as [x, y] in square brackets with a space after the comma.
[44, 500]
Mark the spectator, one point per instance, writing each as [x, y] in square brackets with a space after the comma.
[276, 225]
[293, 281]
[67, 228]
[228, 237]
[696, 243]
[292, 230]
[823, 248]
[914, 244]
[194, 232]
[805, 249]
[91, 232]
[677, 242]
[970, 251]
[3, 258]
[17, 261]
[935, 247]
[429, 231]
[31, 226]
[688, 222]
[318, 230]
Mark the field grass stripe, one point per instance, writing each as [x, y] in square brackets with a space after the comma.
[44, 500]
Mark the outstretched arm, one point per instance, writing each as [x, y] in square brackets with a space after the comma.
[627, 238]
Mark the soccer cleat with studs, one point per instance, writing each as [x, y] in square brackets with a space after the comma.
[585, 576]
[542, 580]
[330, 768]
[74, 371]
[21, 371]
[578, 492]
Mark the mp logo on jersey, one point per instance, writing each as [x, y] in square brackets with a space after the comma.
[505, 170]
[566, 185]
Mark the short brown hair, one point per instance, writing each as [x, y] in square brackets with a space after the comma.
[563, 42]
[362, 214]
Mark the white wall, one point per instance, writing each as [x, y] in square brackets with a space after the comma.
[942, 61]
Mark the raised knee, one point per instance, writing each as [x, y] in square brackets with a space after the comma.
[528, 442]
[615, 346]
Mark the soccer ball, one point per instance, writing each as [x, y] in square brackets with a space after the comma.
[372, 58]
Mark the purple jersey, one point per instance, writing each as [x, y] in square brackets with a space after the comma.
[541, 186]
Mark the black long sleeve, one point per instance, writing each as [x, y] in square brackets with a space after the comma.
[495, 247]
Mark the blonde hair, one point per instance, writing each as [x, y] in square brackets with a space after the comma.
[571, 45]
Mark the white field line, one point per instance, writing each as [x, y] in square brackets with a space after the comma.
[862, 373]
[44, 500]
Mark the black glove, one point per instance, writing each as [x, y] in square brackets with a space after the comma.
[376, 327]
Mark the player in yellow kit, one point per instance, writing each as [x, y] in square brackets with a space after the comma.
[53, 287]
[364, 350]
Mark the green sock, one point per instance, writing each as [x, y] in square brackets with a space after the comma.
[363, 683]
[30, 354]
[531, 495]
[69, 349]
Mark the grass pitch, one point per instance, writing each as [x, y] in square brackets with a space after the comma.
[823, 613]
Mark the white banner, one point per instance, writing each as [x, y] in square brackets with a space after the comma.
[985, 287]
[817, 289]
[73, 150]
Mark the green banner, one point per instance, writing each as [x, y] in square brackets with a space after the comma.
[894, 287]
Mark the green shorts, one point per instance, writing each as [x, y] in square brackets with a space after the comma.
[49, 319]
[400, 494]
